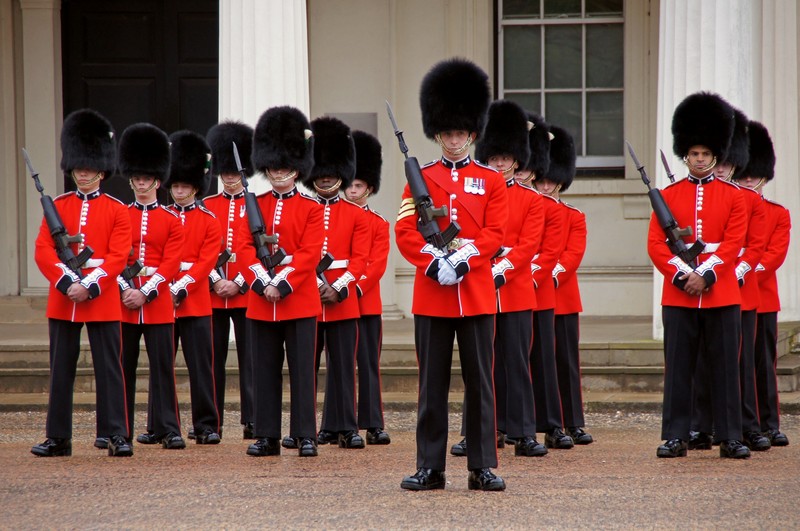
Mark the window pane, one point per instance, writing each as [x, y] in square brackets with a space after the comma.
[604, 55]
[562, 48]
[522, 57]
[521, 8]
[562, 8]
[529, 102]
[564, 110]
[603, 8]
[604, 123]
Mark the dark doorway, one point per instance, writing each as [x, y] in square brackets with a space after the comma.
[144, 61]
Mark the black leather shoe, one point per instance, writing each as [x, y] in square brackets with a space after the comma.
[289, 443]
[147, 438]
[776, 437]
[529, 447]
[501, 439]
[459, 449]
[424, 479]
[699, 440]
[672, 448]
[264, 447]
[733, 450]
[483, 479]
[307, 447]
[190, 435]
[350, 439]
[756, 442]
[53, 448]
[580, 436]
[173, 441]
[325, 437]
[378, 436]
[510, 440]
[247, 431]
[208, 436]
[118, 446]
[101, 443]
[557, 439]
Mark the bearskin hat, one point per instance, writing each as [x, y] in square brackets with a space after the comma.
[562, 158]
[87, 141]
[702, 119]
[283, 140]
[368, 159]
[221, 138]
[334, 151]
[539, 142]
[739, 151]
[191, 161]
[506, 133]
[454, 95]
[762, 153]
[144, 150]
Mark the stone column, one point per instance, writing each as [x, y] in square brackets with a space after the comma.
[263, 59]
[703, 45]
[42, 108]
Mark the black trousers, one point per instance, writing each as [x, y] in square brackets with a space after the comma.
[368, 358]
[163, 416]
[716, 333]
[339, 340]
[766, 360]
[434, 337]
[65, 347]
[266, 341]
[195, 335]
[544, 373]
[568, 366]
[221, 322]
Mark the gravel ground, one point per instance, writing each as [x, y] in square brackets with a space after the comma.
[615, 483]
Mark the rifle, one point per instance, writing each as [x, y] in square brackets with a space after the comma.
[670, 175]
[58, 232]
[323, 265]
[667, 220]
[218, 273]
[261, 240]
[426, 224]
[132, 270]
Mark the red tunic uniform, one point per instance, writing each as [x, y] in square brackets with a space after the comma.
[158, 243]
[201, 247]
[568, 294]
[522, 239]
[545, 260]
[777, 227]
[369, 285]
[106, 228]
[716, 212]
[346, 235]
[297, 220]
[482, 217]
[230, 213]
[750, 255]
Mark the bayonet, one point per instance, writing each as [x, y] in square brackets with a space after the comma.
[670, 175]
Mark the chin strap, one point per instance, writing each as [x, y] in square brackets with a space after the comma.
[94, 179]
[333, 188]
[704, 169]
[279, 180]
[155, 183]
[458, 151]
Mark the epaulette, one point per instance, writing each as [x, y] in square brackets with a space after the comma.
[305, 196]
[485, 166]
[206, 198]
[202, 208]
[527, 187]
[350, 202]
[774, 202]
[431, 163]
[673, 184]
[377, 214]
[551, 198]
[172, 212]
[729, 183]
[749, 189]
[572, 207]
[115, 199]
[63, 196]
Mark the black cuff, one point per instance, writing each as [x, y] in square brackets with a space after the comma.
[63, 284]
[94, 290]
[555, 282]
[499, 281]
[258, 286]
[182, 294]
[343, 293]
[710, 277]
[677, 282]
[284, 288]
[359, 293]
[433, 269]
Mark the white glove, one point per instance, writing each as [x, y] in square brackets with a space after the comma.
[447, 273]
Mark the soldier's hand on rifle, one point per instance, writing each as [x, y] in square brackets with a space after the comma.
[77, 293]
[133, 299]
[226, 288]
[328, 295]
[271, 293]
[695, 284]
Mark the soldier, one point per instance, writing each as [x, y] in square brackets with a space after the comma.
[549, 416]
[700, 437]
[228, 298]
[89, 296]
[568, 295]
[346, 237]
[146, 302]
[454, 293]
[188, 178]
[283, 301]
[367, 183]
[701, 300]
[759, 171]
